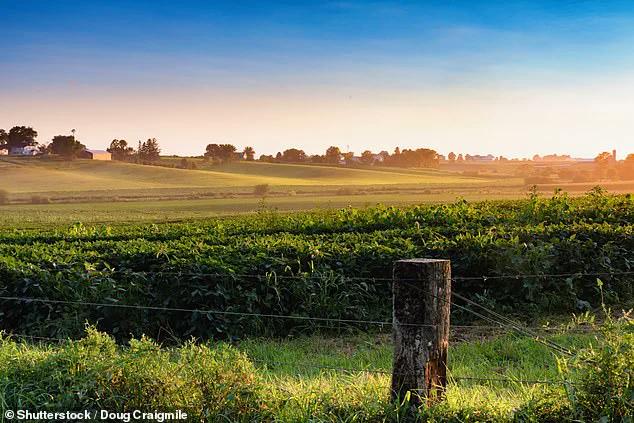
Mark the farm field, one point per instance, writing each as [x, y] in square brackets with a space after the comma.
[305, 260]
[153, 211]
[291, 311]
[33, 175]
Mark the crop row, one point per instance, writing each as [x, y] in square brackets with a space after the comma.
[333, 264]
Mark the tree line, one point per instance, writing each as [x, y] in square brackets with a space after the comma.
[23, 137]
[148, 152]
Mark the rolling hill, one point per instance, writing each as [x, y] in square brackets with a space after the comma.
[46, 176]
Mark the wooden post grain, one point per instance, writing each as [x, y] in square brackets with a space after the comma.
[420, 331]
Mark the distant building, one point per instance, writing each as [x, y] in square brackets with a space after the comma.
[95, 155]
[480, 158]
[380, 158]
[552, 158]
[29, 150]
[239, 155]
[4, 152]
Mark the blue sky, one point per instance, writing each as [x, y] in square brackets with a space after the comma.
[512, 77]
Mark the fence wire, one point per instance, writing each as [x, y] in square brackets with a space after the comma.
[496, 320]
[341, 369]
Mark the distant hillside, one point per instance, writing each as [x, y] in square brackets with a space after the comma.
[38, 176]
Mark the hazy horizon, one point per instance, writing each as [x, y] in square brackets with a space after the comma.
[518, 79]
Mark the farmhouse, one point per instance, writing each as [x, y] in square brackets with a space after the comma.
[29, 150]
[95, 155]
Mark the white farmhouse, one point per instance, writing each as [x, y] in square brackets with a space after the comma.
[29, 150]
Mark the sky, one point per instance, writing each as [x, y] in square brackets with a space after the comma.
[512, 78]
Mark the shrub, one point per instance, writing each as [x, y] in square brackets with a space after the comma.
[345, 191]
[603, 375]
[39, 199]
[209, 382]
[187, 164]
[261, 189]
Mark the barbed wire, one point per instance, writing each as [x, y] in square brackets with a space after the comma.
[344, 369]
[274, 275]
[504, 322]
[497, 325]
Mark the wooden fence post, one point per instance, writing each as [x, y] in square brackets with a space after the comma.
[421, 296]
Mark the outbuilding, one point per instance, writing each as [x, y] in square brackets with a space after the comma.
[95, 155]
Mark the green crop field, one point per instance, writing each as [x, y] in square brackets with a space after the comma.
[226, 282]
[147, 252]
[301, 251]
[154, 211]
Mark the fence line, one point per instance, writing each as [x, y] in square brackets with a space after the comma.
[505, 323]
[343, 369]
[496, 325]
[274, 275]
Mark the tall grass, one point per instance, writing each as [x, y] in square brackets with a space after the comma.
[285, 380]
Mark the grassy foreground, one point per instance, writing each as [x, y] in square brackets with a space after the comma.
[269, 380]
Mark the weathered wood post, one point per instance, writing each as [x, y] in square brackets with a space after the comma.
[420, 330]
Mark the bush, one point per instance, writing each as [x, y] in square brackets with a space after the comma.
[187, 164]
[261, 189]
[4, 196]
[345, 191]
[603, 375]
[39, 199]
[209, 382]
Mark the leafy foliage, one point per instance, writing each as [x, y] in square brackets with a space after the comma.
[334, 264]
[211, 382]
[604, 389]
[66, 146]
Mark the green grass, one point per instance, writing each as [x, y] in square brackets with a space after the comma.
[237, 383]
[36, 215]
[86, 175]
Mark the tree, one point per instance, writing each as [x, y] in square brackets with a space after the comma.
[627, 169]
[452, 157]
[43, 148]
[293, 155]
[460, 158]
[333, 155]
[250, 153]
[421, 157]
[120, 150]
[66, 146]
[149, 150]
[317, 158]
[4, 139]
[348, 157]
[603, 159]
[21, 136]
[220, 152]
[367, 157]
